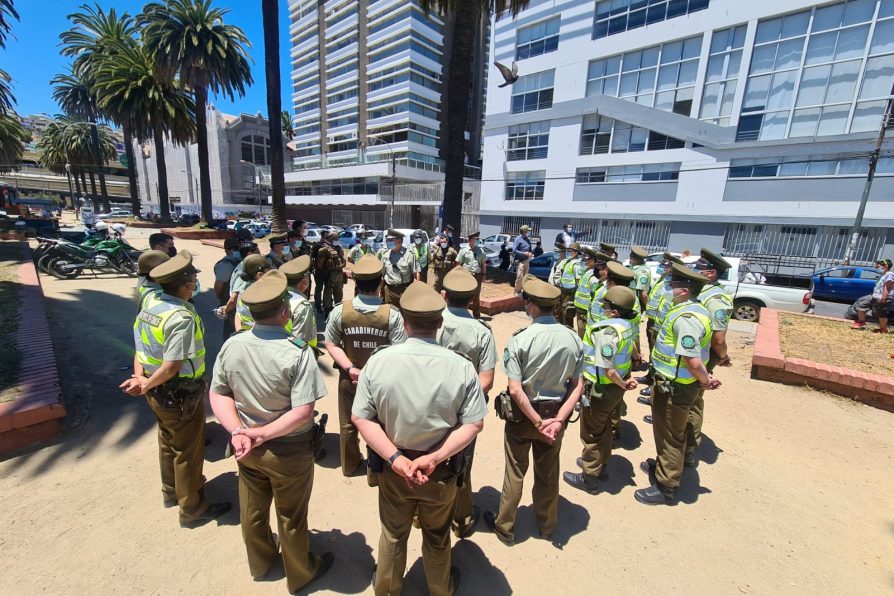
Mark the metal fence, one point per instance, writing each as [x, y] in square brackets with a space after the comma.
[651, 235]
[827, 244]
[511, 224]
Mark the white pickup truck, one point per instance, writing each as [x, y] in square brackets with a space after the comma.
[751, 292]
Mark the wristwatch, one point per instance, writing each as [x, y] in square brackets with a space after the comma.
[538, 423]
[394, 457]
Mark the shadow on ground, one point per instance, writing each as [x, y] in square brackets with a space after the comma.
[92, 335]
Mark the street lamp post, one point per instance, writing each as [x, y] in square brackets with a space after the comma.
[258, 174]
[393, 176]
[71, 188]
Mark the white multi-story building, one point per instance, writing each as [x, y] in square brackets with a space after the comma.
[367, 81]
[739, 126]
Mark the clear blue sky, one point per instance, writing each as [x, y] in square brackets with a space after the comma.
[32, 55]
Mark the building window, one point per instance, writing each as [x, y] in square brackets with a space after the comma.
[525, 186]
[528, 141]
[662, 76]
[255, 149]
[723, 72]
[537, 39]
[650, 172]
[533, 92]
[834, 93]
[617, 16]
[601, 134]
[808, 166]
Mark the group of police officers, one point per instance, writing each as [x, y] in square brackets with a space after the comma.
[415, 368]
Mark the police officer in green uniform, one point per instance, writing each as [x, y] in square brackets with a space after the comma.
[609, 351]
[473, 260]
[609, 249]
[544, 362]
[657, 306]
[443, 260]
[642, 280]
[422, 252]
[146, 286]
[168, 369]
[358, 250]
[263, 392]
[590, 281]
[354, 331]
[461, 333]
[279, 250]
[555, 273]
[569, 274]
[331, 261]
[720, 305]
[418, 404]
[678, 365]
[401, 267]
[254, 266]
[303, 323]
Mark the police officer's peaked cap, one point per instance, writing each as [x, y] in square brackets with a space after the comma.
[268, 292]
[254, 264]
[683, 273]
[149, 260]
[525, 229]
[474, 234]
[711, 260]
[421, 302]
[575, 246]
[672, 258]
[367, 267]
[392, 233]
[560, 245]
[639, 252]
[606, 247]
[296, 268]
[277, 239]
[602, 257]
[421, 234]
[620, 296]
[460, 283]
[619, 272]
[174, 269]
[539, 292]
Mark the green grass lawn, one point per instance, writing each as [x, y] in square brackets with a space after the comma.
[10, 259]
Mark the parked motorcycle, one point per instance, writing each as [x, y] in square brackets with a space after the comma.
[67, 260]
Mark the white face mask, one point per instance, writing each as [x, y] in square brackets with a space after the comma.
[445, 244]
[286, 249]
[417, 240]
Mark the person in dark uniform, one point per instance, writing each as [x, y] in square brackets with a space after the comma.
[331, 260]
[280, 250]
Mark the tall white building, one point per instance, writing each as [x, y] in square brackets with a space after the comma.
[367, 83]
[740, 126]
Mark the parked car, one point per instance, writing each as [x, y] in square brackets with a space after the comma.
[114, 213]
[189, 219]
[846, 283]
[495, 241]
[348, 238]
[330, 228]
[746, 283]
[257, 229]
[540, 266]
[313, 236]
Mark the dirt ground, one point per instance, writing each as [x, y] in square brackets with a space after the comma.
[834, 342]
[791, 497]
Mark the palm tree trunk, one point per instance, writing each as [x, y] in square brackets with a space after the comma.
[131, 171]
[201, 97]
[98, 161]
[94, 196]
[270, 11]
[84, 184]
[77, 185]
[164, 208]
[466, 20]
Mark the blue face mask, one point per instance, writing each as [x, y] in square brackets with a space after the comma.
[286, 249]
[296, 244]
[660, 270]
[197, 289]
[236, 254]
[390, 245]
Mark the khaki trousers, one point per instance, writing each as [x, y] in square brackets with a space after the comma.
[595, 429]
[581, 322]
[475, 302]
[439, 279]
[393, 294]
[348, 437]
[333, 291]
[462, 516]
[282, 473]
[670, 414]
[433, 503]
[519, 439]
[697, 412]
[521, 269]
[181, 456]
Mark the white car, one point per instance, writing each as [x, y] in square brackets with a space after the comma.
[329, 228]
[313, 236]
[495, 241]
[115, 213]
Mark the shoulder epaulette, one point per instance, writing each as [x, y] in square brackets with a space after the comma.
[485, 324]
[519, 331]
[379, 349]
[298, 342]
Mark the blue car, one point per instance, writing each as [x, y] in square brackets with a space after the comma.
[845, 283]
[542, 265]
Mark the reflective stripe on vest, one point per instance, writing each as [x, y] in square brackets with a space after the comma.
[715, 292]
[626, 333]
[654, 298]
[568, 281]
[149, 339]
[421, 252]
[664, 359]
[585, 289]
[244, 314]
[597, 313]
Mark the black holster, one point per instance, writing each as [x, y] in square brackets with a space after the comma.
[184, 395]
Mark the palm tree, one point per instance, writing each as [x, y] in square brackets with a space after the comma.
[287, 129]
[91, 37]
[270, 12]
[190, 38]
[466, 18]
[131, 90]
[75, 96]
[7, 15]
[11, 147]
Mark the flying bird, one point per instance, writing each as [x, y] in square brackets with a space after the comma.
[510, 76]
